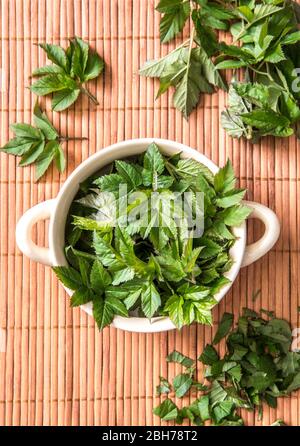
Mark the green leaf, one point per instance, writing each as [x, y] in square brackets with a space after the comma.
[222, 410]
[255, 93]
[266, 120]
[182, 383]
[156, 68]
[79, 57]
[103, 314]
[47, 69]
[150, 300]
[89, 224]
[191, 85]
[231, 198]
[64, 98]
[31, 155]
[263, 10]
[129, 173]
[129, 292]
[52, 83]
[153, 160]
[109, 183]
[116, 305]
[163, 387]
[94, 66]
[17, 146]
[100, 278]
[81, 297]
[26, 131]
[43, 123]
[190, 167]
[230, 64]
[46, 158]
[68, 276]
[225, 180]
[60, 158]
[209, 355]
[203, 311]
[217, 393]
[207, 37]
[231, 119]
[167, 410]
[233, 124]
[179, 358]
[224, 327]
[244, 12]
[236, 215]
[173, 20]
[56, 54]
[275, 55]
[174, 308]
[123, 275]
[278, 423]
[171, 268]
[203, 407]
[295, 384]
[104, 250]
[291, 39]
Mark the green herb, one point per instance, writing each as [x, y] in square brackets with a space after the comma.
[39, 145]
[265, 43]
[224, 327]
[67, 76]
[163, 387]
[135, 250]
[258, 367]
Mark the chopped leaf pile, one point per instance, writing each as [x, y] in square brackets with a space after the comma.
[265, 44]
[39, 145]
[258, 367]
[128, 254]
[70, 70]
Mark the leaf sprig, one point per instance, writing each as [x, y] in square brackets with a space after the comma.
[67, 76]
[265, 42]
[39, 145]
[152, 265]
[258, 367]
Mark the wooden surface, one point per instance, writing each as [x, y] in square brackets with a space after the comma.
[55, 367]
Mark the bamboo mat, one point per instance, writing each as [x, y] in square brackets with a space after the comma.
[55, 367]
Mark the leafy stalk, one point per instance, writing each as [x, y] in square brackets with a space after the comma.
[70, 71]
[265, 42]
[39, 145]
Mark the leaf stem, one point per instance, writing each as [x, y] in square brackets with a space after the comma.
[72, 138]
[191, 46]
[89, 94]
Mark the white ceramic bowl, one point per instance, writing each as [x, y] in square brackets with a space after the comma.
[57, 209]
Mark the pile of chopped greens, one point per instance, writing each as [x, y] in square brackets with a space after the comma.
[258, 367]
[265, 44]
[148, 264]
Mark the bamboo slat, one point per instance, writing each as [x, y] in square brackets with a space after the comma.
[56, 368]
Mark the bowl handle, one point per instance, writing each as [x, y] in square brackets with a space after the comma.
[272, 230]
[41, 211]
